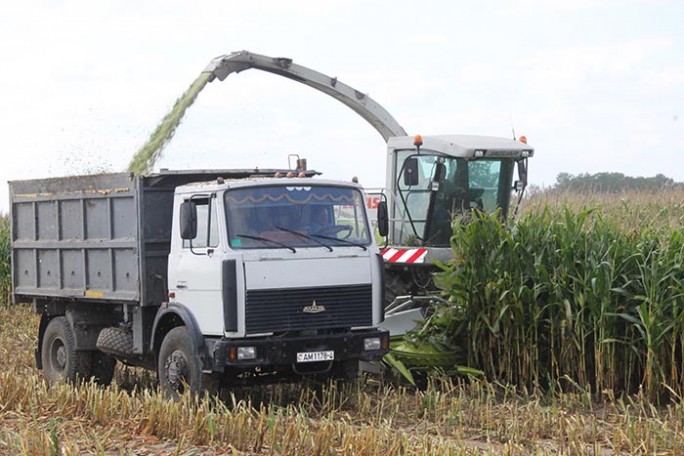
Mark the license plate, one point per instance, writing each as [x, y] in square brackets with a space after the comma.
[310, 357]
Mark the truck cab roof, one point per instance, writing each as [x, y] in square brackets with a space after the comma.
[223, 183]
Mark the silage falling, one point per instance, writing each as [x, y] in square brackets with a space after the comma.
[143, 161]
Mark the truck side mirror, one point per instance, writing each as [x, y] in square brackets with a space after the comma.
[411, 171]
[383, 219]
[188, 220]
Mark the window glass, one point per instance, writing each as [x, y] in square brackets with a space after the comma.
[280, 216]
[207, 225]
[454, 186]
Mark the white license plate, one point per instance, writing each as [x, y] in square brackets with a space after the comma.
[310, 357]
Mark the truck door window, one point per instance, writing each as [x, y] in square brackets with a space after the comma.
[207, 225]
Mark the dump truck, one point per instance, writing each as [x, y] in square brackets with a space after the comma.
[211, 277]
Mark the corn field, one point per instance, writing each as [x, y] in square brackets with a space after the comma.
[585, 294]
[5, 273]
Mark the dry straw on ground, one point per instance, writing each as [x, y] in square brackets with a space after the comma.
[373, 419]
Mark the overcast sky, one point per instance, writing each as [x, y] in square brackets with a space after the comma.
[595, 85]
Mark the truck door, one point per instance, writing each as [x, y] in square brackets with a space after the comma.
[195, 275]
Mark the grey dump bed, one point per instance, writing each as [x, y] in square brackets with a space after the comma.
[99, 237]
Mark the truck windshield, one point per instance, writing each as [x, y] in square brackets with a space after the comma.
[446, 187]
[281, 216]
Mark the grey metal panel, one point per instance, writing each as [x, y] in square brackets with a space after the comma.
[24, 269]
[99, 270]
[97, 218]
[126, 277]
[76, 237]
[123, 211]
[48, 269]
[46, 219]
[71, 219]
[73, 275]
[24, 228]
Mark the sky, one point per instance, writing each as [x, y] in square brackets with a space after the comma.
[595, 85]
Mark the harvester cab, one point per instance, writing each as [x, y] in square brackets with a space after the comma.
[432, 181]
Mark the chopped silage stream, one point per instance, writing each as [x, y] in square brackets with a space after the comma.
[144, 160]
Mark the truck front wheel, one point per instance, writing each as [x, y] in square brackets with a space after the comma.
[179, 368]
[61, 361]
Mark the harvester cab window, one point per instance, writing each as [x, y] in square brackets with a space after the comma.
[447, 187]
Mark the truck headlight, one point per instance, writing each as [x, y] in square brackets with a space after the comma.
[372, 343]
[246, 353]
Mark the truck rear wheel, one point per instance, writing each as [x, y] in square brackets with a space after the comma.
[61, 361]
[179, 368]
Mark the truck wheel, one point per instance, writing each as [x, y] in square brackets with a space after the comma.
[178, 368]
[115, 341]
[102, 368]
[61, 361]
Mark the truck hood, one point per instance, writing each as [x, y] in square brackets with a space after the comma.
[306, 268]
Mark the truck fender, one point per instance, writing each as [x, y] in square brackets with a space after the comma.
[176, 314]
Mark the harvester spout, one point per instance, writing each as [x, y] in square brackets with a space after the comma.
[361, 103]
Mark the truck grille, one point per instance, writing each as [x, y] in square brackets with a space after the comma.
[284, 309]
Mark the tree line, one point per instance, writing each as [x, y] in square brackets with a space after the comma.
[606, 182]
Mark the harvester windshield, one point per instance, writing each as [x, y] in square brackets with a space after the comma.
[432, 189]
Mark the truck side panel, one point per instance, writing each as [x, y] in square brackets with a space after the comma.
[76, 237]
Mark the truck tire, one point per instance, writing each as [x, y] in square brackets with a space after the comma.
[115, 341]
[61, 361]
[179, 368]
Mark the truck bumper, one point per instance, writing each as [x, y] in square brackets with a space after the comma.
[276, 350]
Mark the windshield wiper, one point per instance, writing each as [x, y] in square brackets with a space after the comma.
[344, 241]
[305, 236]
[259, 238]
